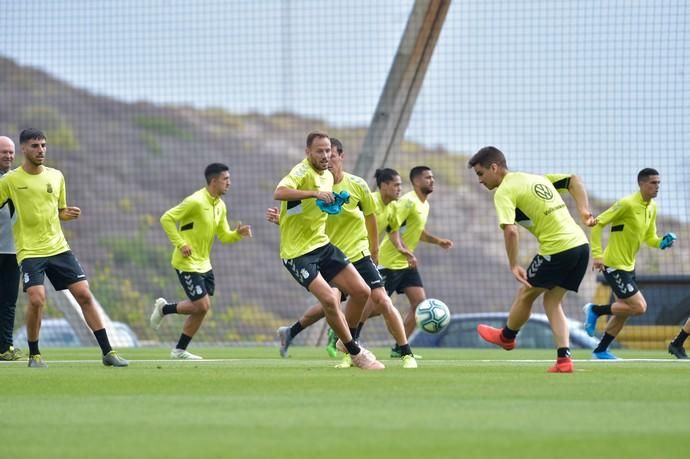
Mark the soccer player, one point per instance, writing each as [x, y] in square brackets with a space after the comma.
[192, 226]
[633, 221]
[354, 231]
[397, 260]
[306, 250]
[9, 269]
[675, 347]
[38, 195]
[533, 202]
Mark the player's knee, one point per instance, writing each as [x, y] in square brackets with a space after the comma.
[639, 307]
[37, 300]
[361, 293]
[202, 305]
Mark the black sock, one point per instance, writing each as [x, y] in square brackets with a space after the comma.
[183, 342]
[604, 343]
[601, 309]
[102, 338]
[680, 339]
[352, 347]
[563, 352]
[405, 350]
[295, 329]
[33, 348]
[353, 332]
[508, 334]
[170, 308]
[358, 331]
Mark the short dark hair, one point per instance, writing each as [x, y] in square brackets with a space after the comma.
[645, 173]
[417, 171]
[315, 135]
[487, 156]
[385, 175]
[213, 170]
[31, 134]
[337, 144]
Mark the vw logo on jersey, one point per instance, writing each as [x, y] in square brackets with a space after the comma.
[543, 192]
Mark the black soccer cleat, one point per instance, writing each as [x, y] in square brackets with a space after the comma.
[677, 351]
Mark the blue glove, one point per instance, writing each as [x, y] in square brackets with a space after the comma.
[667, 241]
[337, 204]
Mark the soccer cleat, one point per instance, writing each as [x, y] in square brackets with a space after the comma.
[36, 361]
[184, 354]
[409, 361]
[346, 362]
[341, 347]
[366, 361]
[590, 319]
[12, 355]
[330, 347]
[395, 354]
[604, 355]
[678, 351]
[285, 340]
[563, 365]
[157, 313]
[494, 336]
[113, 359]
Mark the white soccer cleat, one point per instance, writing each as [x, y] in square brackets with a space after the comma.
[183, 354]
[366, 361]
[157, 313]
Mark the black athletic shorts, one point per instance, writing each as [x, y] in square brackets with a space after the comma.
[62, 269]
[397, 280]
[197, 285]
[327, 260]
[369, 272]
[564, 269]
[623, 283]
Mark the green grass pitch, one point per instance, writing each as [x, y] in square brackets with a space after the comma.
[249, 403]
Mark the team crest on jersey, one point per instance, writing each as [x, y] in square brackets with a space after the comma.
[49, 188]
[542, 192]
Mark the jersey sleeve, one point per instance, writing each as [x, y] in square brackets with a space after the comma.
[170, 218]
[402, 211]
[505, 207]
[559, 181]
[62, 197]
[223, 231]
[4, 191]
[603, 220]
[367, 202]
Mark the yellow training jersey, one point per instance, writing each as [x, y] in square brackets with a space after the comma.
[347, 230]
[302, 223]
[409, 219]
[533, 202]
[632, 221]
[195, 222]
[384, 213]
[36, 199]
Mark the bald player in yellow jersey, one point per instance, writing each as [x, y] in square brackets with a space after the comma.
[633, 221]
[533, 201]
[192, 226]
[39, 198]
[407, 227]
[354, 231]
[306, 250]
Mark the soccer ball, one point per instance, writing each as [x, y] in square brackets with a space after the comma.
[432, 315]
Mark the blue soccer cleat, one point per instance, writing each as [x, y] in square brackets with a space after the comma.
[604, 355]
[590, 319]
